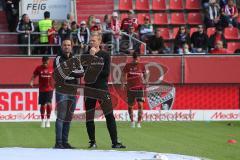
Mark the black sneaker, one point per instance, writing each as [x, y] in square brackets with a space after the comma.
[68, 146]
[118, 145]
[58, 146]
[92, 145]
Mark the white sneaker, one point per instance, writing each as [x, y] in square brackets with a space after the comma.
[43, 124]
[138, 125]
[48, 123]
[132, 124]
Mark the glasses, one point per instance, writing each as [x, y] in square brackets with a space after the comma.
[182, 28]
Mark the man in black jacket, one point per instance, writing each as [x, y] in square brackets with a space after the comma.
[156, 43]
[97, 90]
[67, 71]
[199, 41]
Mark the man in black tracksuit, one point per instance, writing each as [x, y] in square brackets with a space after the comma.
[67, 71]
[97, 90]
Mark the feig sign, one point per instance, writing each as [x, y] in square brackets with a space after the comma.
[35, 8]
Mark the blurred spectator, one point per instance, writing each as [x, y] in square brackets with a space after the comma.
[91, 21]
[237, 51]
[70, 19]
[212, 14]
[199, 41]
[146, 29]
[129, 21]
[83, 37]
[74, 37]
[219, 48]
[229, 14]
[205, 4]
[133, 45]
[217, 36]
[156, 43]
[24, 27]
[64, 32]
[53, 38]
[97, 27]
[181, 38]
[44, 25]
[115, 26]
[12, 11]
[184, 49]
[106, 28]
[222, 3]
[238, 4]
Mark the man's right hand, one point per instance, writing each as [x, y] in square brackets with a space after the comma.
[93, 51]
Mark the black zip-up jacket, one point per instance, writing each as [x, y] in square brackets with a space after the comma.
[67, 70]
[98, 70]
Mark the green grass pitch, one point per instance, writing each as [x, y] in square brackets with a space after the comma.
[202, 139]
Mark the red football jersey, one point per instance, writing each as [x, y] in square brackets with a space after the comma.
[45, 75]
[134, 73]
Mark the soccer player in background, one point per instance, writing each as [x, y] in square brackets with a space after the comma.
[45, 74]
[134, 73]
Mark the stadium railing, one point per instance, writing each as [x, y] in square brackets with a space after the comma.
[33, 42]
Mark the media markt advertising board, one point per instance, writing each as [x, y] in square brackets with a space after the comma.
[36, 8]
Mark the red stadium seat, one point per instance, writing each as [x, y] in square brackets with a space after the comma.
[140, 17]
[211, 31]
[165, 33]
[192, 30]
[231, 33]
[175, 31]
[195, 18]
[175, 5]
[161, 18]
[193, 4]
[178, 18]
[125, 5]
[159, 5]
[233, 46]
[123, 15]
[142, 5]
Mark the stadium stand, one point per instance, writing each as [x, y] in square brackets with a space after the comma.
[160, 18]
[178, 18]
[142, 5]
[194, 18]
[233, 46]
[175, 4]
[231, 33]
[94, 7]
[159, 5]
[166, 14]
[193, 5]
[125, 5]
